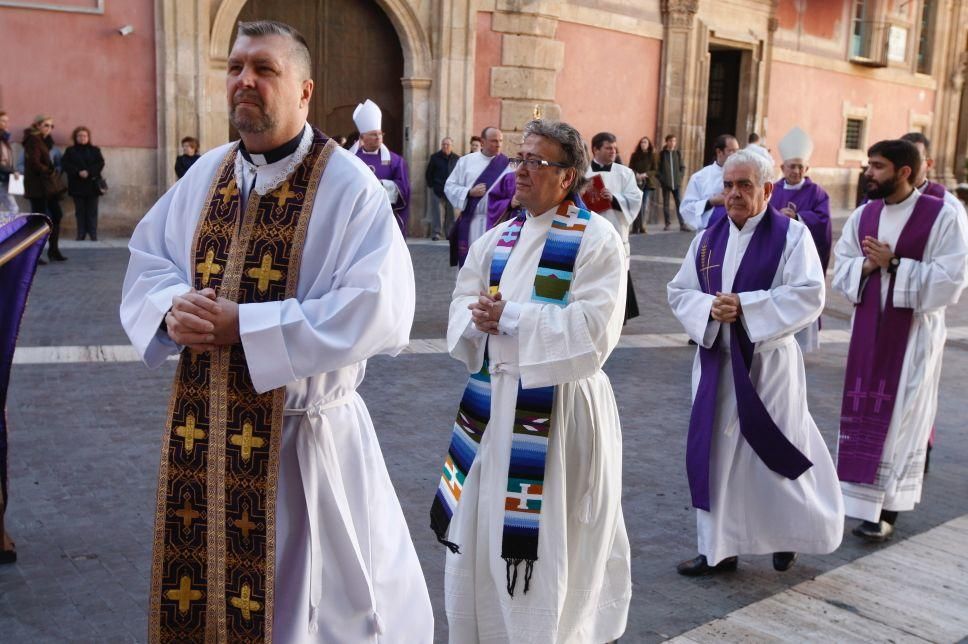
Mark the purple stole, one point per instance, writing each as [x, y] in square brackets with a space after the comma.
[878, 342]
[755, 273]
[499, 201]
[813, 209]
[395, 171]
[461, 232]
[935, 190]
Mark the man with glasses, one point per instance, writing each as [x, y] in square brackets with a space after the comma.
[536, 312]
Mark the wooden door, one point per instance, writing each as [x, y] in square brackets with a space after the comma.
[356, 55]
[723, 98]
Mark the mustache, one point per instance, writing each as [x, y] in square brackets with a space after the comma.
[248, 97]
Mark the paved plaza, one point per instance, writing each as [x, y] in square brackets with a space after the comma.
[86, 428]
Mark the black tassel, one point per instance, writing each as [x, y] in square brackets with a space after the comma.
[512, 573]
[528, 571]
[450, 544]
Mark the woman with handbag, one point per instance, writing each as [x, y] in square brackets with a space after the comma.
[43, 184]
[643, 163]
[83, 163]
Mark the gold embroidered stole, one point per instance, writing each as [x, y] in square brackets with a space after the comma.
[214, 544]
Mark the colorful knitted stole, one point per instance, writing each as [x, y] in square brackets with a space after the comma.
[533, 408]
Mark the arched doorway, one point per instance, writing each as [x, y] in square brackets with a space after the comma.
[356, 55]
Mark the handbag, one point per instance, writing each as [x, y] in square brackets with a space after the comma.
[102, 185]
[54, 185]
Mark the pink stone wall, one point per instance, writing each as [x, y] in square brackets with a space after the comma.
[487, 110]
[80, 70]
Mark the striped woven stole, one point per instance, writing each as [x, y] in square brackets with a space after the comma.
[533, 407]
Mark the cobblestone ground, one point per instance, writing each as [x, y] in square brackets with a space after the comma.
[85, 440]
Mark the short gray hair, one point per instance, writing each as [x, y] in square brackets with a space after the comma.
[763, 170]
[574, 147]
[300, 48]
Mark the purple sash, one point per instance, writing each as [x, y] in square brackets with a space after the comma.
[878, 343]
[755, 273]
[935, 190]
[461, 232]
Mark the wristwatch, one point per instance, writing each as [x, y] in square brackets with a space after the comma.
[892, 264]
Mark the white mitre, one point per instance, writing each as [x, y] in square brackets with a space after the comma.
[368, 117]
[796, 144]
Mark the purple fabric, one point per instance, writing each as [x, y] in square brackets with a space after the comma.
[719, 212]
[395, 171]
[755, 273]
[460, 234]
[15, 279]
[813, 209]
[935, 190]
[499, 200]
[878, 342]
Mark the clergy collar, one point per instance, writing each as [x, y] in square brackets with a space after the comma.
[794, 186]
[276, 154]
[907, 201]
[598, 167]
[923, 186]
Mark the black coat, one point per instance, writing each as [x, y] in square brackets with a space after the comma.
[438, 169]
[82, 157]
[183, 162]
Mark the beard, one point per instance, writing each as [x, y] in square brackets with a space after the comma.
[250, 124]
[881, 189]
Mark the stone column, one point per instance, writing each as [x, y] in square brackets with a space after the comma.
[530, 61]
[681, 88]
[949, 67]
[416, 117]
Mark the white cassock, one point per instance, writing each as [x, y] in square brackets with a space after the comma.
[928, 287]
[620, 181]
[355, 300]
[464, 177]
[754, 510]
[703, 185]
[581, 586]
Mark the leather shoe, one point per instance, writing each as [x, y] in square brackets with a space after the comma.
[699, 566]
[783, 561]
[56, 257]
[874, 532]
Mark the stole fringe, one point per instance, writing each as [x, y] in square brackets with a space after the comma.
[512, 573]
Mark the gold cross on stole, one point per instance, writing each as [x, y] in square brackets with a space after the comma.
[208, 267]
[184, 594]
[247, 441]
[229, 191]
[244, 524]
[187, 513]
[265, 273]
[189, 433]
[282, 194]
[245, 604]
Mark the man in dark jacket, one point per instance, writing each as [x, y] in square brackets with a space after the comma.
[439, 167]
[671, 170]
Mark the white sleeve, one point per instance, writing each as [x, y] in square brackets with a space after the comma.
[693, 206]
[464, 341]
[849, 258]
[455, 192]
[939, 279]
[630, 197]
[793, 303]
[690, 304]
[365, 310]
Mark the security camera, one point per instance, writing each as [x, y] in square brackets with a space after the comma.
[126, 30]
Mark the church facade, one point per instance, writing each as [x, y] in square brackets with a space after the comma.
[850, 72]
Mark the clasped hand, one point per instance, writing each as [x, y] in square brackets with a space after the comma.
[877, 254]
[203, 321]
[486, 312]
[726, 308]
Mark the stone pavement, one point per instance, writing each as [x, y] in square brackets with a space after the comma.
[85, 438]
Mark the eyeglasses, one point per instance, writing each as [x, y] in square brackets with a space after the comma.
[533, 164]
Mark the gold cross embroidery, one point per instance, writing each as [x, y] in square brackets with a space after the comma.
[187, 513]
[229, 191]
[247, 441]
[282, 194]
[189, 433]
[244, 524]
[184, 594]
[265, 273]
[245, 604]
[208, 267]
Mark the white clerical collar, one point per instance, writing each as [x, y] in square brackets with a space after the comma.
[270, 176]
[908, 203]
[384, 152]
[794, 186]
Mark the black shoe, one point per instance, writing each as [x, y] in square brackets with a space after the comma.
[699, 566]
[874, 532]
[783, 561]
[56, 257]
[692, 342]
[41, 261]
[435, 238]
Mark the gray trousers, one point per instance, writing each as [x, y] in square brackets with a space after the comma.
[439, 210]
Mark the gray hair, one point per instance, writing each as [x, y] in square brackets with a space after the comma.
[299, 52]
[763, 170]
[574, 147]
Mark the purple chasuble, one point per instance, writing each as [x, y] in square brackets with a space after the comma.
[755, 273]
[812, 205]
[395, 171]
[499, 200]
[878, 342]
[460, 234]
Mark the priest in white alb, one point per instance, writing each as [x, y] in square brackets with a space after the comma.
[704, 192]
[620, 199]
[901, 261]
[467, 189]
[530, 501]
[760, 476]
[275, 269]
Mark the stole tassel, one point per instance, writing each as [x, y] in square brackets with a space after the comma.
[512, 573]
